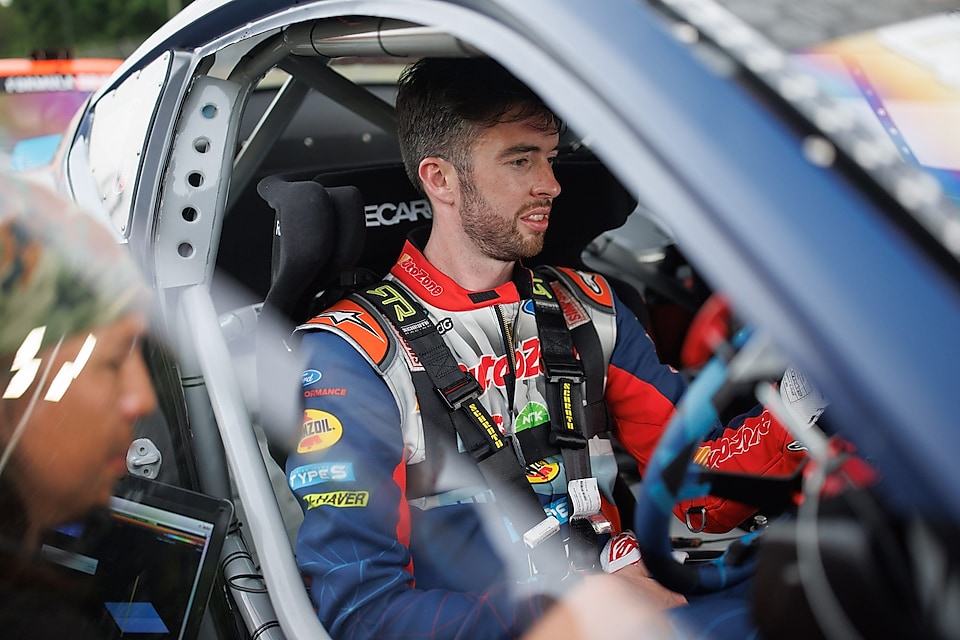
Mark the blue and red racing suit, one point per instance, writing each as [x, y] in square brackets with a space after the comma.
[384, 559]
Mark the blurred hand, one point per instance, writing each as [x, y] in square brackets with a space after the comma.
[610, 607]
[648, 589]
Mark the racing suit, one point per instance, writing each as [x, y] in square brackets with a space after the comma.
[383, 559]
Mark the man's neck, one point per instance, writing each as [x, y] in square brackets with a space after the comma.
[469, 269]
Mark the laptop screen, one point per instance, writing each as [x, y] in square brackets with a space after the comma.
[153, 561]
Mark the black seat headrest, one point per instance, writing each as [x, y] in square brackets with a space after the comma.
[319, 232]
[392, 208]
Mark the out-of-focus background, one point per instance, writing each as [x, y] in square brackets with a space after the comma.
[80, 28]
[53, 55]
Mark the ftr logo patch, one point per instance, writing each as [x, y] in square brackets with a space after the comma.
[321, 430]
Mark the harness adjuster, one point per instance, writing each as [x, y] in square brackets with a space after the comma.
[557, 369]
[460, 392]
[567, 439]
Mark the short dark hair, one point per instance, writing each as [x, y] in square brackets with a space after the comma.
[444, 104]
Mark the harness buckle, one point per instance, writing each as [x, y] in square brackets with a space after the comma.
[461, 391]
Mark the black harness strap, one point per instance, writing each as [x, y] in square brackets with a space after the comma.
[460, 393]
[565, 384]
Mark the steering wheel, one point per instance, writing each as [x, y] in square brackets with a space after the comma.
[672, 477]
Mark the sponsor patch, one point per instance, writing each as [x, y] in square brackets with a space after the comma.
[356, 322]
[700, 457]
[542, 472]
[532, 415]
[319, 473]
[573, 312]
[491, 369]
[594, 287]
[413, 361]
[326, 391]
[445, 325]
[796, 445]
[338, 499]
[311, 376]
[321, 430]
[740, 442]
[431, 286]
[620, 551]
[558, 509]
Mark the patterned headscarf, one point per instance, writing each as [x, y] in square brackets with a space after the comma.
[59, 268]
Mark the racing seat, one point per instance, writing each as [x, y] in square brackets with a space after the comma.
[337, 231]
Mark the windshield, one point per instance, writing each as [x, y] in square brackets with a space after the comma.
[879, 82]
[903, 82]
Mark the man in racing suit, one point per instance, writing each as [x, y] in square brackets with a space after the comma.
[402, 536]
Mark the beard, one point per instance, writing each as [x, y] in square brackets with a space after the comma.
[495, 237]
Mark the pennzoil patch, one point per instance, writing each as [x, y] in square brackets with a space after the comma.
[321, 430]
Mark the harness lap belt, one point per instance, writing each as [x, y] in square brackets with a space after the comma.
[460, 393]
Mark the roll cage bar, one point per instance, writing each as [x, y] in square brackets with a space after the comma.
[264, 581]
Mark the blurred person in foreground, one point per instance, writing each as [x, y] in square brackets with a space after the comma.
[73, 310]
[413, 526]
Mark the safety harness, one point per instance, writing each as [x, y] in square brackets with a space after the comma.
[449, 400]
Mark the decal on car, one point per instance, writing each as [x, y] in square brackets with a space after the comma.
[388, 214]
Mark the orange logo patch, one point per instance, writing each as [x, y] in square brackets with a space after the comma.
[595, 287]
[356, 322]
[542, 472]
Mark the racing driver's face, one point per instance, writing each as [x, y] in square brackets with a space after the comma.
[509, 192]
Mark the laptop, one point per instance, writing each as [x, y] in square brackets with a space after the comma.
[151, 561]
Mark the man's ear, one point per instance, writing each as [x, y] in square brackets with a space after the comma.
[439, 180]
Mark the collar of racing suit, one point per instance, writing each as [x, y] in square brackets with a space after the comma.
[426, 281]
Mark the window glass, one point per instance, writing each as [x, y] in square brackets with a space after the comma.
[118, 134]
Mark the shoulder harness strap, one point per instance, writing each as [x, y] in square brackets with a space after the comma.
[539, 442]
[571, 384]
